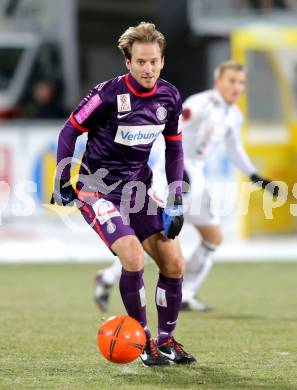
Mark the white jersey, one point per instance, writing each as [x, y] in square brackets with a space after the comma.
[207, 122]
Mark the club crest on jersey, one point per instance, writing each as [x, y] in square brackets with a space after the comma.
[111, 227]
[161, 113]
[124, 103]
[215, 101]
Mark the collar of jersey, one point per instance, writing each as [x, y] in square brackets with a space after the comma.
[134, 87]
[221, 100]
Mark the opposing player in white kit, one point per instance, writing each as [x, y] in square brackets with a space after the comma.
[209, 119]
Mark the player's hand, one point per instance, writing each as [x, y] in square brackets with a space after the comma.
[64, 194]
[173, 218]
[266, 184]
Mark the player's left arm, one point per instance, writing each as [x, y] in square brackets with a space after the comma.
[174, 168]
[241, 160]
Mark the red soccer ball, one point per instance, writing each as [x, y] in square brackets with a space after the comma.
[121, 339]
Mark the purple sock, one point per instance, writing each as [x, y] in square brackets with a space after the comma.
[133, 296]
[168, 300]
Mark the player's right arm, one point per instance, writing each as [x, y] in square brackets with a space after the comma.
[64, 193]
[81, 120]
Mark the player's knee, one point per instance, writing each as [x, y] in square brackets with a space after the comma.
[134, 261]
[215, 238]
[174, 268]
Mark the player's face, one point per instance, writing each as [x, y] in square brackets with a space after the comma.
[231, 85]
[146, 63]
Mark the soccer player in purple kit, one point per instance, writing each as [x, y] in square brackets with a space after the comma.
[123, 117]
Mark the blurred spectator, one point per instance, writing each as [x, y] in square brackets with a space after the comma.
[264, 5]
[46, 103]
[291, 4]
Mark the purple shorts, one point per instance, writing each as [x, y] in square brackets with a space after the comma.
[104, 214]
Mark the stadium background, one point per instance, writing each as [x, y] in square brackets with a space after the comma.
[199, 34]
[48, 321]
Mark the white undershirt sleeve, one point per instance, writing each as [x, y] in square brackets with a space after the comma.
[237, 154]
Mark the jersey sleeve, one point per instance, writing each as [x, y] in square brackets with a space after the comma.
[172, 130]
[89, 111]
[194, 110]
[81, 120]
[174, 156]
[66, 146]
[235, 150]
[92, 107]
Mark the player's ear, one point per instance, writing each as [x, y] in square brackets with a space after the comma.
[162, 62]
[128, 63]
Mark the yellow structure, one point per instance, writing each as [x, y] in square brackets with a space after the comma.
[270, 130]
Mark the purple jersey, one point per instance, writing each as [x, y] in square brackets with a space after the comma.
[123, 120]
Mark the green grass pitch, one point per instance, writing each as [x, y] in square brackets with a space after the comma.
[48, 328]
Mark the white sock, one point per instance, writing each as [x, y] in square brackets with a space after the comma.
[112, 274]
[197, 269]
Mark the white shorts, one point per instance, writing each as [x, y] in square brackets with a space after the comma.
[198, 209]
[198, 202]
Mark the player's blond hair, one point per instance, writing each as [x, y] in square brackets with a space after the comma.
[145, 33]
[230, 64]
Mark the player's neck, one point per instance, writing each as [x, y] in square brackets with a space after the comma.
[221, 98]
[137, 86]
